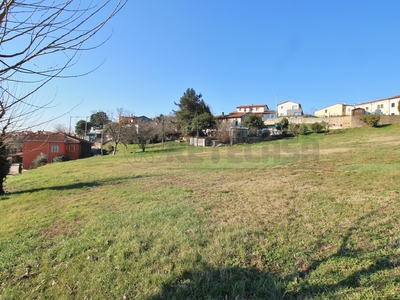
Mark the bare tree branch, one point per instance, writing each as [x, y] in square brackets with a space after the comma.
[31, 31]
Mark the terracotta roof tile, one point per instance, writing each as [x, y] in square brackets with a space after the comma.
[53, 137]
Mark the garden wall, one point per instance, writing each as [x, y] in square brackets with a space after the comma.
[336, 122]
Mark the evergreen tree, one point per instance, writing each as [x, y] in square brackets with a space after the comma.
[194, 114]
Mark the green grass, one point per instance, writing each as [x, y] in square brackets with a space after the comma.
[313, 218]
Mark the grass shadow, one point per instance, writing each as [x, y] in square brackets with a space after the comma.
[73, 186]
[383, 125]
[222, 283]
[344, 251]
[59, 187]
[237, 282]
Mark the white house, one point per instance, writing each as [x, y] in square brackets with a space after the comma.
[289, 109]
[386, 106]
[258, 109]
[253, 108]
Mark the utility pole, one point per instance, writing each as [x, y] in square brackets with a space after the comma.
[163, 130]
[86, 127]
[101, 140]
[70, 118]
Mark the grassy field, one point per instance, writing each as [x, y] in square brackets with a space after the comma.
[313, 218]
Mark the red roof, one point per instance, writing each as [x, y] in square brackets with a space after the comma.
[253, 105]
[383, 99]
[233, 114]
[52, 137]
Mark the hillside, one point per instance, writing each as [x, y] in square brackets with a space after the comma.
[314, 218]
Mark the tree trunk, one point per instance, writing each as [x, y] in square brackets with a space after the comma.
[4, 166]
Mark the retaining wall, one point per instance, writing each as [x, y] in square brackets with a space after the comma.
[336, 122]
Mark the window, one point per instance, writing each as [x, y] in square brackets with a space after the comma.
[54, 148]
[294, 106]
[393, 104]
[366, 108]
[326, 111]
[71, 148]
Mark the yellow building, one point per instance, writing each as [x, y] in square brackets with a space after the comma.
[334, 111]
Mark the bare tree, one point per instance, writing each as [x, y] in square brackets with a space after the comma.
[165, 128]
[60, 128]
[117, 130]
[140, 133]
[224, 132]
[30, 31]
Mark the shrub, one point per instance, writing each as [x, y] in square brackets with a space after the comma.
[303, 129]
[294, 129]
[316, 127]
[265, 133]
[40, 160]
[371, 120]
[61, 158]
[284, 123]
[325, 126]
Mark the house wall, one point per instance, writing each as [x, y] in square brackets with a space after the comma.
[32, 149]
[385, 106]
[253, 109]
[347, 109]
[235, 121]
[85, 150]
[334, 110]
[283, 108]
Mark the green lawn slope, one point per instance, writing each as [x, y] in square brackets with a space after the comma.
[309, 218]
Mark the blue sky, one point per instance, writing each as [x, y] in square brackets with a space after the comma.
[317, 53]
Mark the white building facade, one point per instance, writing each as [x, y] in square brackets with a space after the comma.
[386, 106]
[289, 109]
[253, 108]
